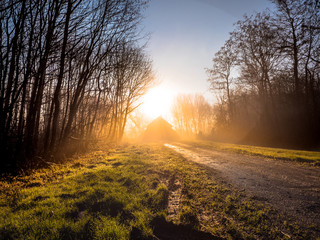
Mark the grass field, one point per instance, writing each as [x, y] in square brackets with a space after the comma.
[311, 157]
[125, 193]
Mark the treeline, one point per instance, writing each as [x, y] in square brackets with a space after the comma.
[268, 72]
[192, 115]
[70, 70]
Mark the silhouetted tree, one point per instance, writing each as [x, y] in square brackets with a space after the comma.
[220, 75]
[58, 68]
[276, 81]
[132, 77]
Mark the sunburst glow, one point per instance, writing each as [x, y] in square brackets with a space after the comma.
[157, 102]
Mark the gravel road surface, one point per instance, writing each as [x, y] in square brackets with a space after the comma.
[290, 187]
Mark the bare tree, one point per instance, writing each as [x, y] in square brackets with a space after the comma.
[57, 62]
[192, 115]
[220, 75]
[277, 87]
[132, 78]
[290, 22]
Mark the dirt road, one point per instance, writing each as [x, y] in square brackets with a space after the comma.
[292, 188]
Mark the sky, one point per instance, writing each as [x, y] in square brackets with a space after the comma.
[185, 34]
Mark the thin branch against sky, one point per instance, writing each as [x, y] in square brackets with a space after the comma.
[186, 34]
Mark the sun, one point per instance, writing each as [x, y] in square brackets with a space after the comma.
[157, 102]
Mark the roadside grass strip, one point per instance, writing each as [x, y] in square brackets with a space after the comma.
[310, 157]
[123, 193]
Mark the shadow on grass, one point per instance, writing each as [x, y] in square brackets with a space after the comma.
[108, 206]
[169, 231]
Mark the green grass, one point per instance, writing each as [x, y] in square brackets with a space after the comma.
[97, 197]
[310, 157]
[113, 193]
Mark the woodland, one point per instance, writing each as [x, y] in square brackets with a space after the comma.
[73, 71]
[70, 70]
[269, 72]
[267, 79]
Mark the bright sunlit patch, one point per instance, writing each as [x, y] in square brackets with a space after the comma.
[157, 102]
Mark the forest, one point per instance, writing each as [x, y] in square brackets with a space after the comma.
[70, 70]
[74, 71]
[267, 79]
[268, 74]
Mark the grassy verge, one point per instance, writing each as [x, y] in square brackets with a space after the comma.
[122, 193]
[311, 157]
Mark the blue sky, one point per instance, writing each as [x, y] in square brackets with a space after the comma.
[185, 34]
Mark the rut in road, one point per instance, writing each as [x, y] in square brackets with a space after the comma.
[291, 188]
